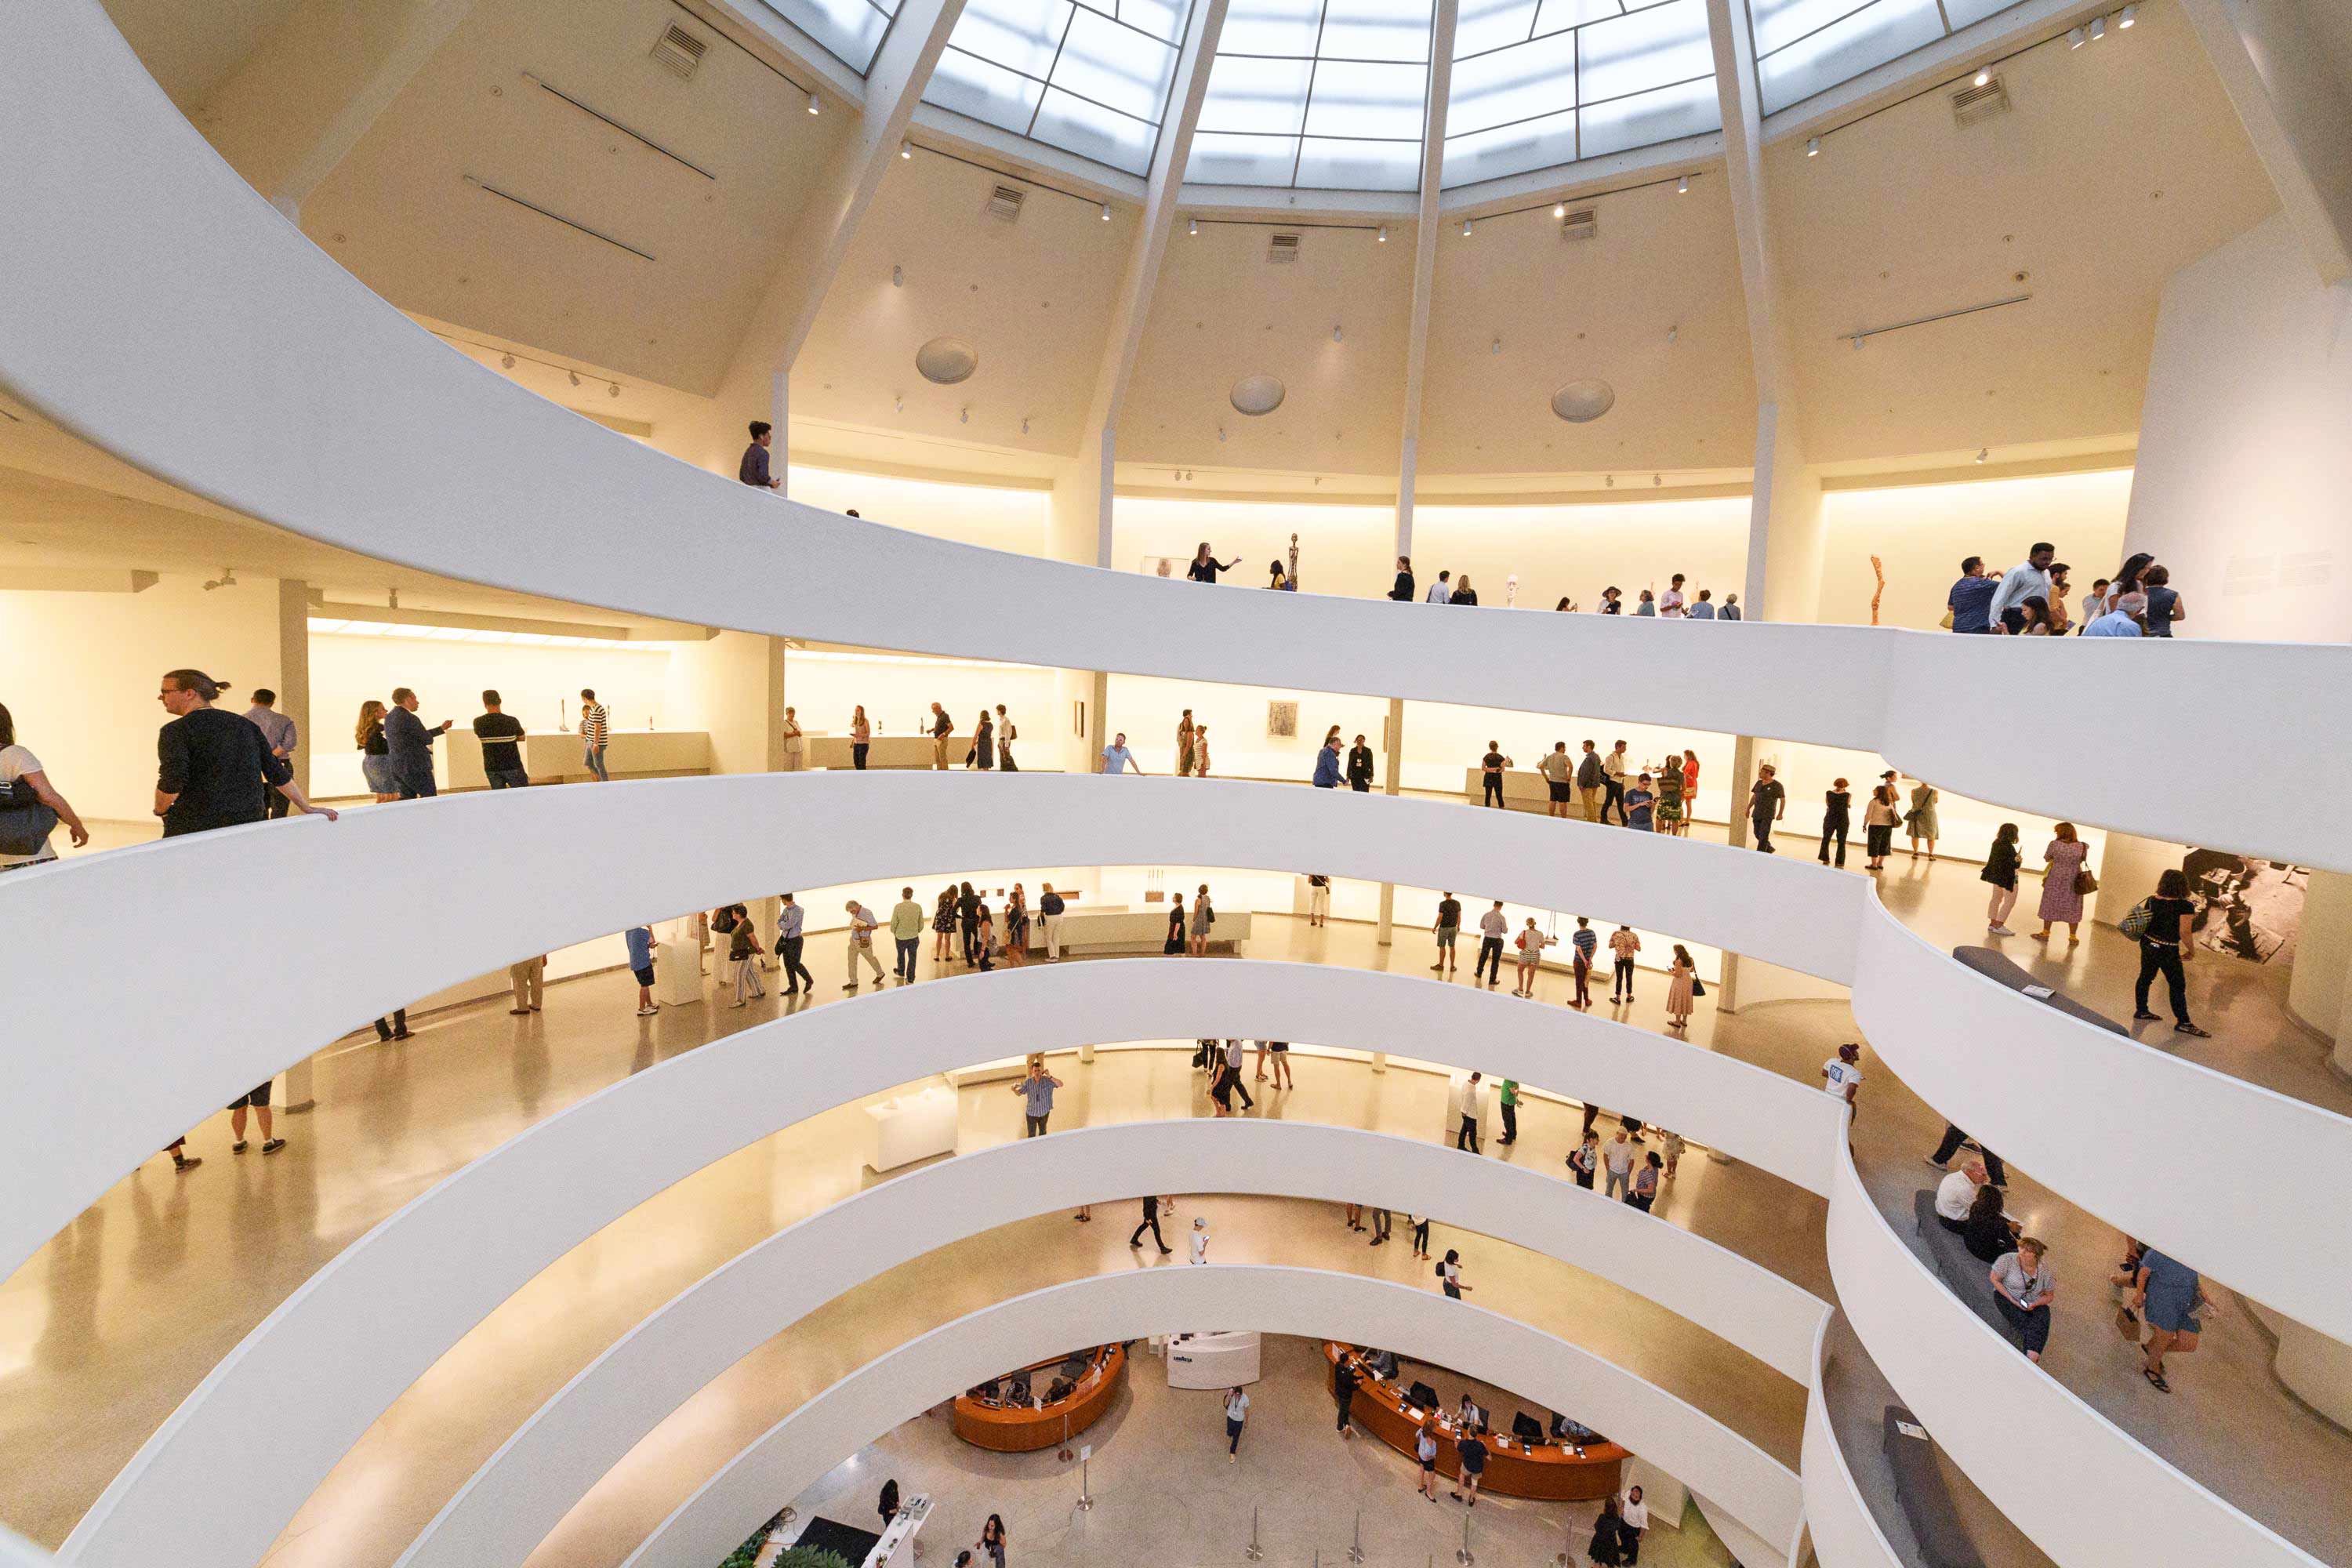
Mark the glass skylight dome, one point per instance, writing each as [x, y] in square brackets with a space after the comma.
[1333, 94]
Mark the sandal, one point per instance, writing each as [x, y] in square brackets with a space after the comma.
[2156, 1381]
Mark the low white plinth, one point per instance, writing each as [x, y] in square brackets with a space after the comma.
[677, 973]
[1212, 1360]
[910, 1127]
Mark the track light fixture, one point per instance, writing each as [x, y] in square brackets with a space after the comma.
[897, 405]
[898, 278]
[906, 149]
[1813, 146]
[2075, 37]
[1497, 347]
[1024, 426]
[1336, 333]
[1656, 480]
[816, 107]
[1192, 226]
[1560, 209]
[1982, 453]
[2130, 14]
[1465, 228]
[574, 375]
[1673, 334]
[1682, 186]
[2099, 28]
[1983, 77]
[1220, 432]
[1105, 212]
[1383, 235]
[963, 414]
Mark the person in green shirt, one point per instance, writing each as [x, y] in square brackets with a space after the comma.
[907, 921]
[1509, 1100]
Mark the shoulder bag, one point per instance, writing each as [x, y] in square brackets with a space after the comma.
[2084, 882]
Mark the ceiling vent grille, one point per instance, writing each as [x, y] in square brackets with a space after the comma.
[1584, 222]
[1281, 249]
[1973, 104]
[679, 52]
[1005, 201]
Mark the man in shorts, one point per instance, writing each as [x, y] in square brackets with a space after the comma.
[258, 1099]
[1448, 927]
[640, 940]
[1559, 779]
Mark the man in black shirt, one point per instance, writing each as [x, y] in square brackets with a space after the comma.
[753, 469]
[215, 768]
[1151, 1223]
[2163, 947]
[1768, 802]
[501, 757]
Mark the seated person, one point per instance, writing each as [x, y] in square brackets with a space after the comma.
[1954, 1193]
[1986, 1230]
[1385, 1364]
[1059, 1390]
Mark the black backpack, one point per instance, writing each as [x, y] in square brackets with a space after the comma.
[26, 822]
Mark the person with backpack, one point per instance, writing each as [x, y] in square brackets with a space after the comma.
[30, 806]
[2158, 923]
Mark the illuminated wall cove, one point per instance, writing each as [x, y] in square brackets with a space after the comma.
[411, 454]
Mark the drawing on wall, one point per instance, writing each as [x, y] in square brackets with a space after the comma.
[1282, 720]
[2245, 908]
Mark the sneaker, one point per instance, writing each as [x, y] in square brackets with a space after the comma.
[851, 986]
[2143, 1017]
[271, 1146]
[1931, 1162]
[2000, 931]
[736, 1004]
[238, 1147]
[2192, 1031]
[647, 1012]
[189, 1163]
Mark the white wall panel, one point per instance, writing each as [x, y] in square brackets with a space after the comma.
[2078, 1486]
[596, 1419]
[237, 1459]
[1844, 1535]
[326, 411]
[1423, 1324]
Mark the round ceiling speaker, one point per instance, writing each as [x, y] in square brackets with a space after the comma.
[947, 361]
[1581, 402]
[1257, 394]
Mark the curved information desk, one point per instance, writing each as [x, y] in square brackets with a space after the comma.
[1552, 1471]
[1009, 1428]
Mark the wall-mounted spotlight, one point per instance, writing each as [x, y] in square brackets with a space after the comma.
[1025, 426]
[2075, 37]
[1192, 226]
[1465, 228]
[963, 414]
[897, 405]
[1682, 186]
[1220, 432]
[906, 149]
[2099, 28]
[575, 377]
[1336, 334]
[2130, 15]
[505, 361]
[1982, 453]
[1656, 480]
[1983, 77]
[898, 278]
[1383, 236]
[1105, 212]
[816, 107]
[1813, 146]
[1673, 334]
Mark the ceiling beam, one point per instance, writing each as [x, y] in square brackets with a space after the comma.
[1161, 192]
[820, 239]
[1424, 259]
[2296, 112]
[1736, 91]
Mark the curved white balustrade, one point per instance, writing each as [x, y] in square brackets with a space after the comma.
[328, 413]
[1845, 1533]
[794, 1453]
[236, 1461]
[527, 1487]
[2081, 1488]
[178, 1045]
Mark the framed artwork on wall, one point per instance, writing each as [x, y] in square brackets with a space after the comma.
[1282, 720]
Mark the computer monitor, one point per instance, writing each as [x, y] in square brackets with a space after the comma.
[1527, 1427]
[1424, 1395]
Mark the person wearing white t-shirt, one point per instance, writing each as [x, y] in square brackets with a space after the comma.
[1670, 603]
[1841, 1076]
[21, 776]
[1634, 1516]
[1956, 1193]
[1200, 1240]
[1237, 1417]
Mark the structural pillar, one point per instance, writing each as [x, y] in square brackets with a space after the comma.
[294, 702]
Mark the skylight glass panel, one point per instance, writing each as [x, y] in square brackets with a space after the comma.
[1807, 47]
[1578, 78]
[1091, 79]
[1316, 94]
[850, 29]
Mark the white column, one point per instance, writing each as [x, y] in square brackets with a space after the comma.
[2280, 80]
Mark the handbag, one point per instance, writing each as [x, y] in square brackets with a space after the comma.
[2085, 883]
[26, 822]
[1946, 622]
[1698, 986]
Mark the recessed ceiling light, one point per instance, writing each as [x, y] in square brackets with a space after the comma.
[2075, 37]
[1192, 226]
[815, 107]
[1682, 186]
[1813, 146]
[2130, 15]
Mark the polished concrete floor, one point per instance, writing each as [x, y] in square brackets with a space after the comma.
[1165, 1492]
[113, 1322]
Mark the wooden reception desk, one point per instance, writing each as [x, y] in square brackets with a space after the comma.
[1552, 1471]
[1007, 1428]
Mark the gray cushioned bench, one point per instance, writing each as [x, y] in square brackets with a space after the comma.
[1992, 965]
[1962, 1273]
[1927, 1501]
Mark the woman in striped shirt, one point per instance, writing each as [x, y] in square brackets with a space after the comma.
[595, 730]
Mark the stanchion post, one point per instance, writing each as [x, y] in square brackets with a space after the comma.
[1254, 1551]
[1356, 1546]
[1462, 1553]
[1085, 1498]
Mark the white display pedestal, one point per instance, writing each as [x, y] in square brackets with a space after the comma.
[1457, 1085]
[910, 1127]
[1211, 1360]
[897, 1547]
[677, 973]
